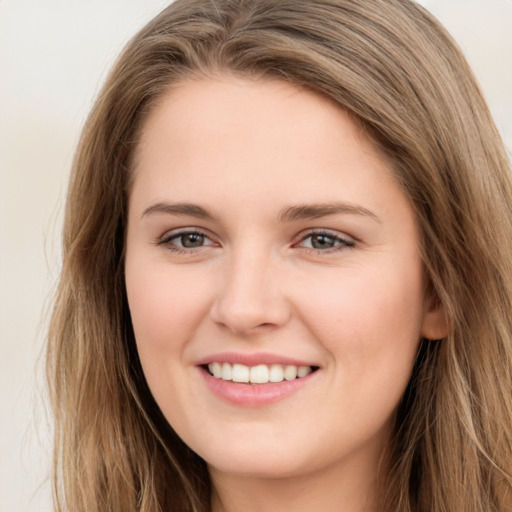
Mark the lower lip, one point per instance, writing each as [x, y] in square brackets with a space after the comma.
[254, 395]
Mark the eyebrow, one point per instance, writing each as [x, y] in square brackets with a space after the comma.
[315, 211]
[287, 214]
[190, 209]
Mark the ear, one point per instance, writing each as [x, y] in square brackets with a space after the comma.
[435, 323]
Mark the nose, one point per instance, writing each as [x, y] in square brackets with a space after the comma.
[251, 298]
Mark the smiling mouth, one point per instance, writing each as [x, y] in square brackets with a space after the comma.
[259, 374]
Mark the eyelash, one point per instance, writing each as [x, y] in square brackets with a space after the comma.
[339, 243]
[168, 238]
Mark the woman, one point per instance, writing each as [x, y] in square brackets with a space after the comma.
[287, 270]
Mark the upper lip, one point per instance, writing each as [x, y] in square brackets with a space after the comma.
[253, 359]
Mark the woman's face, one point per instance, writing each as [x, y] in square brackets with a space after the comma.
[266, 237]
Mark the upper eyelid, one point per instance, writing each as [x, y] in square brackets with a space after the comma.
[184, 230]
[325, 231]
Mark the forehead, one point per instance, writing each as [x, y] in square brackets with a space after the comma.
[255, 139]
[263, 109]
[224, 110]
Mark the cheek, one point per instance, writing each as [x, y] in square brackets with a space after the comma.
[370, 327]
[166, 307]
[368, 320]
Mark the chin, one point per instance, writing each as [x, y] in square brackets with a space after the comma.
[253, 460]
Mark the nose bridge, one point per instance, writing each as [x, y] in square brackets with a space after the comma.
[251, 296]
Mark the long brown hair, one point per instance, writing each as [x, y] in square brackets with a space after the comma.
[396, 70]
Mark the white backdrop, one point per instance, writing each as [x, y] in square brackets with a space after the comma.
[54, 55]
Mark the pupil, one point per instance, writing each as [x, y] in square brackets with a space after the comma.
[322, 241]
[192, 240]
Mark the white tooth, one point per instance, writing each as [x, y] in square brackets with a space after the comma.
[240, 373]
[215, 370]
[227, 372]
[290, 373]
[302, 371]
[276, 373]
[259, 374]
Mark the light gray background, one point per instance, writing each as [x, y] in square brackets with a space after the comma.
[54, 54]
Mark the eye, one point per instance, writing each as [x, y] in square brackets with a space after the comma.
[185, 240]
[324, 241]
[189, 240]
